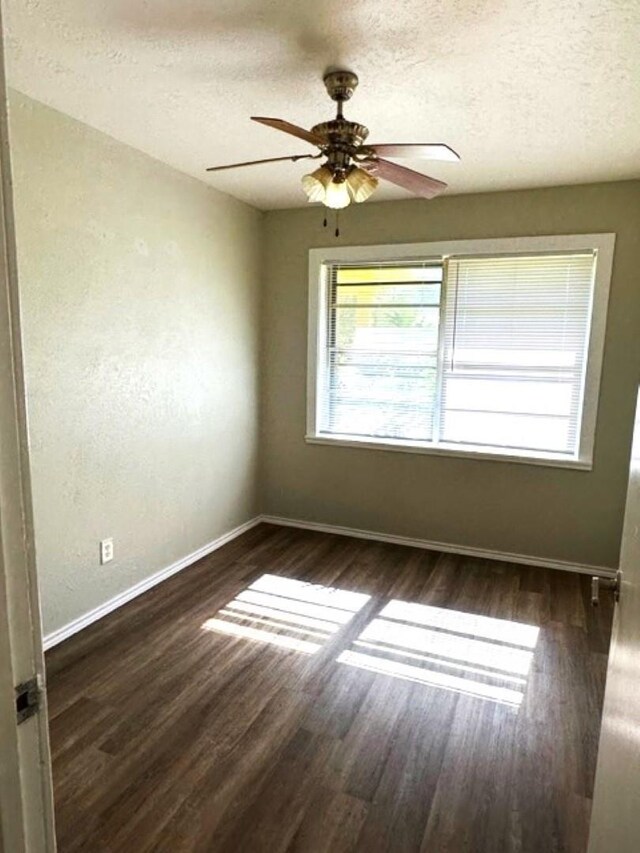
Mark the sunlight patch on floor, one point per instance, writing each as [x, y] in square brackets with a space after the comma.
[449, 649]
[287, 613]
[380, 647]
[448, 645]
[249, 633]
[384, 666]
[487, 627]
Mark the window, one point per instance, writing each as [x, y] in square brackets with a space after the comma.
[478, 347]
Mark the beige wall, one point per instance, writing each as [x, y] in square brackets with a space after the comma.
[525, 509]
[140, 291]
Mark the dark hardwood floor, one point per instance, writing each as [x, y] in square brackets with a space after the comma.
[408, 701]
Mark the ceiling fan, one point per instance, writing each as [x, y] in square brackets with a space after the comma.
[351, 169]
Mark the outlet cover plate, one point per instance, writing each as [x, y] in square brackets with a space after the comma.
[106, 551]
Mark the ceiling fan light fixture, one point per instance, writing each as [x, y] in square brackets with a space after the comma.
[337, 195]
[361, 184]
[315, 185]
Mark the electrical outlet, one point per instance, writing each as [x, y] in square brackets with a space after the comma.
[106, 551]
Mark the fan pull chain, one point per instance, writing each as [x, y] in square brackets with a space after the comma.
[325, 223]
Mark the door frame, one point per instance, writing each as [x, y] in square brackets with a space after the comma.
[26, 791]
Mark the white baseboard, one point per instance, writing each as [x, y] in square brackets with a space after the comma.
[86, 619]
[464, 550]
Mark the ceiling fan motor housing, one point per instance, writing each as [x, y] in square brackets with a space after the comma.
[341, 138]
[339, 131]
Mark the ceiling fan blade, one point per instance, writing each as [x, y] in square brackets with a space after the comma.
[415, 182]
[257, 162]
[293, 129]
[426, 151]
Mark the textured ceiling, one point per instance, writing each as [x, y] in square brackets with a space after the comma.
[530, 92]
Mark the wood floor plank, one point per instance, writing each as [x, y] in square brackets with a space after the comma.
[402, 802]
[301, 692]
[331, 824]
[475, 777]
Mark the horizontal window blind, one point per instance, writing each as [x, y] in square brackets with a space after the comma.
[382, 349]
[516, 333]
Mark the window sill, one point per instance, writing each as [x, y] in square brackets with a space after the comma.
[469, 452]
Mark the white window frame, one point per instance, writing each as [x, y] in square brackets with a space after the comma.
[601, 244]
